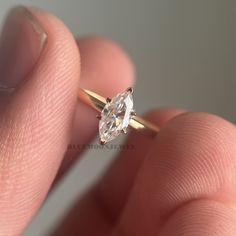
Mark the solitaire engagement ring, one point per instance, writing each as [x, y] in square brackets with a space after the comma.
[116, 114]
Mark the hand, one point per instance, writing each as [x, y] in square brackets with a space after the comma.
[180, 183]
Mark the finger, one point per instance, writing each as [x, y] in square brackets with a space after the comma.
[200, 218]
[35, 124]
[105, 69]
[102, 206]
[193, 158]
[114, 188]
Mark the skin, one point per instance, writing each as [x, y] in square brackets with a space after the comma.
[180, 183]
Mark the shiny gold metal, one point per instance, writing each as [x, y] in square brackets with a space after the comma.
[98, 102]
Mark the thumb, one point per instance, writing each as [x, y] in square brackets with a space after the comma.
[39, 65]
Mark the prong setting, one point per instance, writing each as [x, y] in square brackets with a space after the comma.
[124, 131]
[130, 89]
[98, 117]
[102, 142]
[108, 100]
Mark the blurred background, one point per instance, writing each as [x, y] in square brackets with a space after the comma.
[185, 56]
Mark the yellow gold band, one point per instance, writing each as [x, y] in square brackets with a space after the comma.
[98, 103]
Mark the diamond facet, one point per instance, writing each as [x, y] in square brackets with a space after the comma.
[115, 116]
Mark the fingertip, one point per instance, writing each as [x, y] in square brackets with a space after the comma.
[192, 158]
[200, 218]
[201, 149]
[51, 86]
[103, 57]
[35, 127]
[163, 115]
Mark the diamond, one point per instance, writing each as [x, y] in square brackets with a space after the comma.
[115, 116]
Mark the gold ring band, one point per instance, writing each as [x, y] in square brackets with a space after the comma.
[98, 103]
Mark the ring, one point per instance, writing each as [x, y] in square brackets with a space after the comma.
[116, 114]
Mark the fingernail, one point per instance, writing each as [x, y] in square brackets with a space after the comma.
[21, 43]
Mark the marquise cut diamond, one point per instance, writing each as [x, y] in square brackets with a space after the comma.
[115, 116]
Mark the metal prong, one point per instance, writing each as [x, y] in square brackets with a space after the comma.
[124, 131]
[102, 142]
[98, 117]
[133, 113]
[108, 100]
[130, 89]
